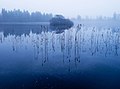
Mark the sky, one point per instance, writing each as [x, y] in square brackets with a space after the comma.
[68, 8]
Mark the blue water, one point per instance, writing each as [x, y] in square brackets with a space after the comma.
[38, 57]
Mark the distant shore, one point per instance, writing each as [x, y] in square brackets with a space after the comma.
[24, 23]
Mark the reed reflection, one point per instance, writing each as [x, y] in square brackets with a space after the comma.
[70, 45]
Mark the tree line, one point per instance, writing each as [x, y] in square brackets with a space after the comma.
[24, 16]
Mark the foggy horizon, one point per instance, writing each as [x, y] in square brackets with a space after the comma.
[85, 16]
[70, 9]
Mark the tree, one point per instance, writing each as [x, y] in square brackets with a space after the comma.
[23, 16]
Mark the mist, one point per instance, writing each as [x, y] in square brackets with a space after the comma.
[67, 8]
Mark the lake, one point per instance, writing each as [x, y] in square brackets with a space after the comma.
[40, 57]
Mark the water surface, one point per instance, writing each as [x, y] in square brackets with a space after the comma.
[39, 57]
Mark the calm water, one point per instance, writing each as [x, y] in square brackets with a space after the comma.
[39, 57]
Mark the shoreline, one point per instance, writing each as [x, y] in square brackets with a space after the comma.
[24, 23]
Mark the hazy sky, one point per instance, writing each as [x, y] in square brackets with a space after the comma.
[69, 8]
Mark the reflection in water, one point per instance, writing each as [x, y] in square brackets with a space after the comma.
[59, 28]
[72, 42]
[90, 40]
[70, 49]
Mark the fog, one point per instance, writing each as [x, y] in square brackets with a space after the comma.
[69, 8]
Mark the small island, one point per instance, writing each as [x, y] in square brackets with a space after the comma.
[59, 20]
